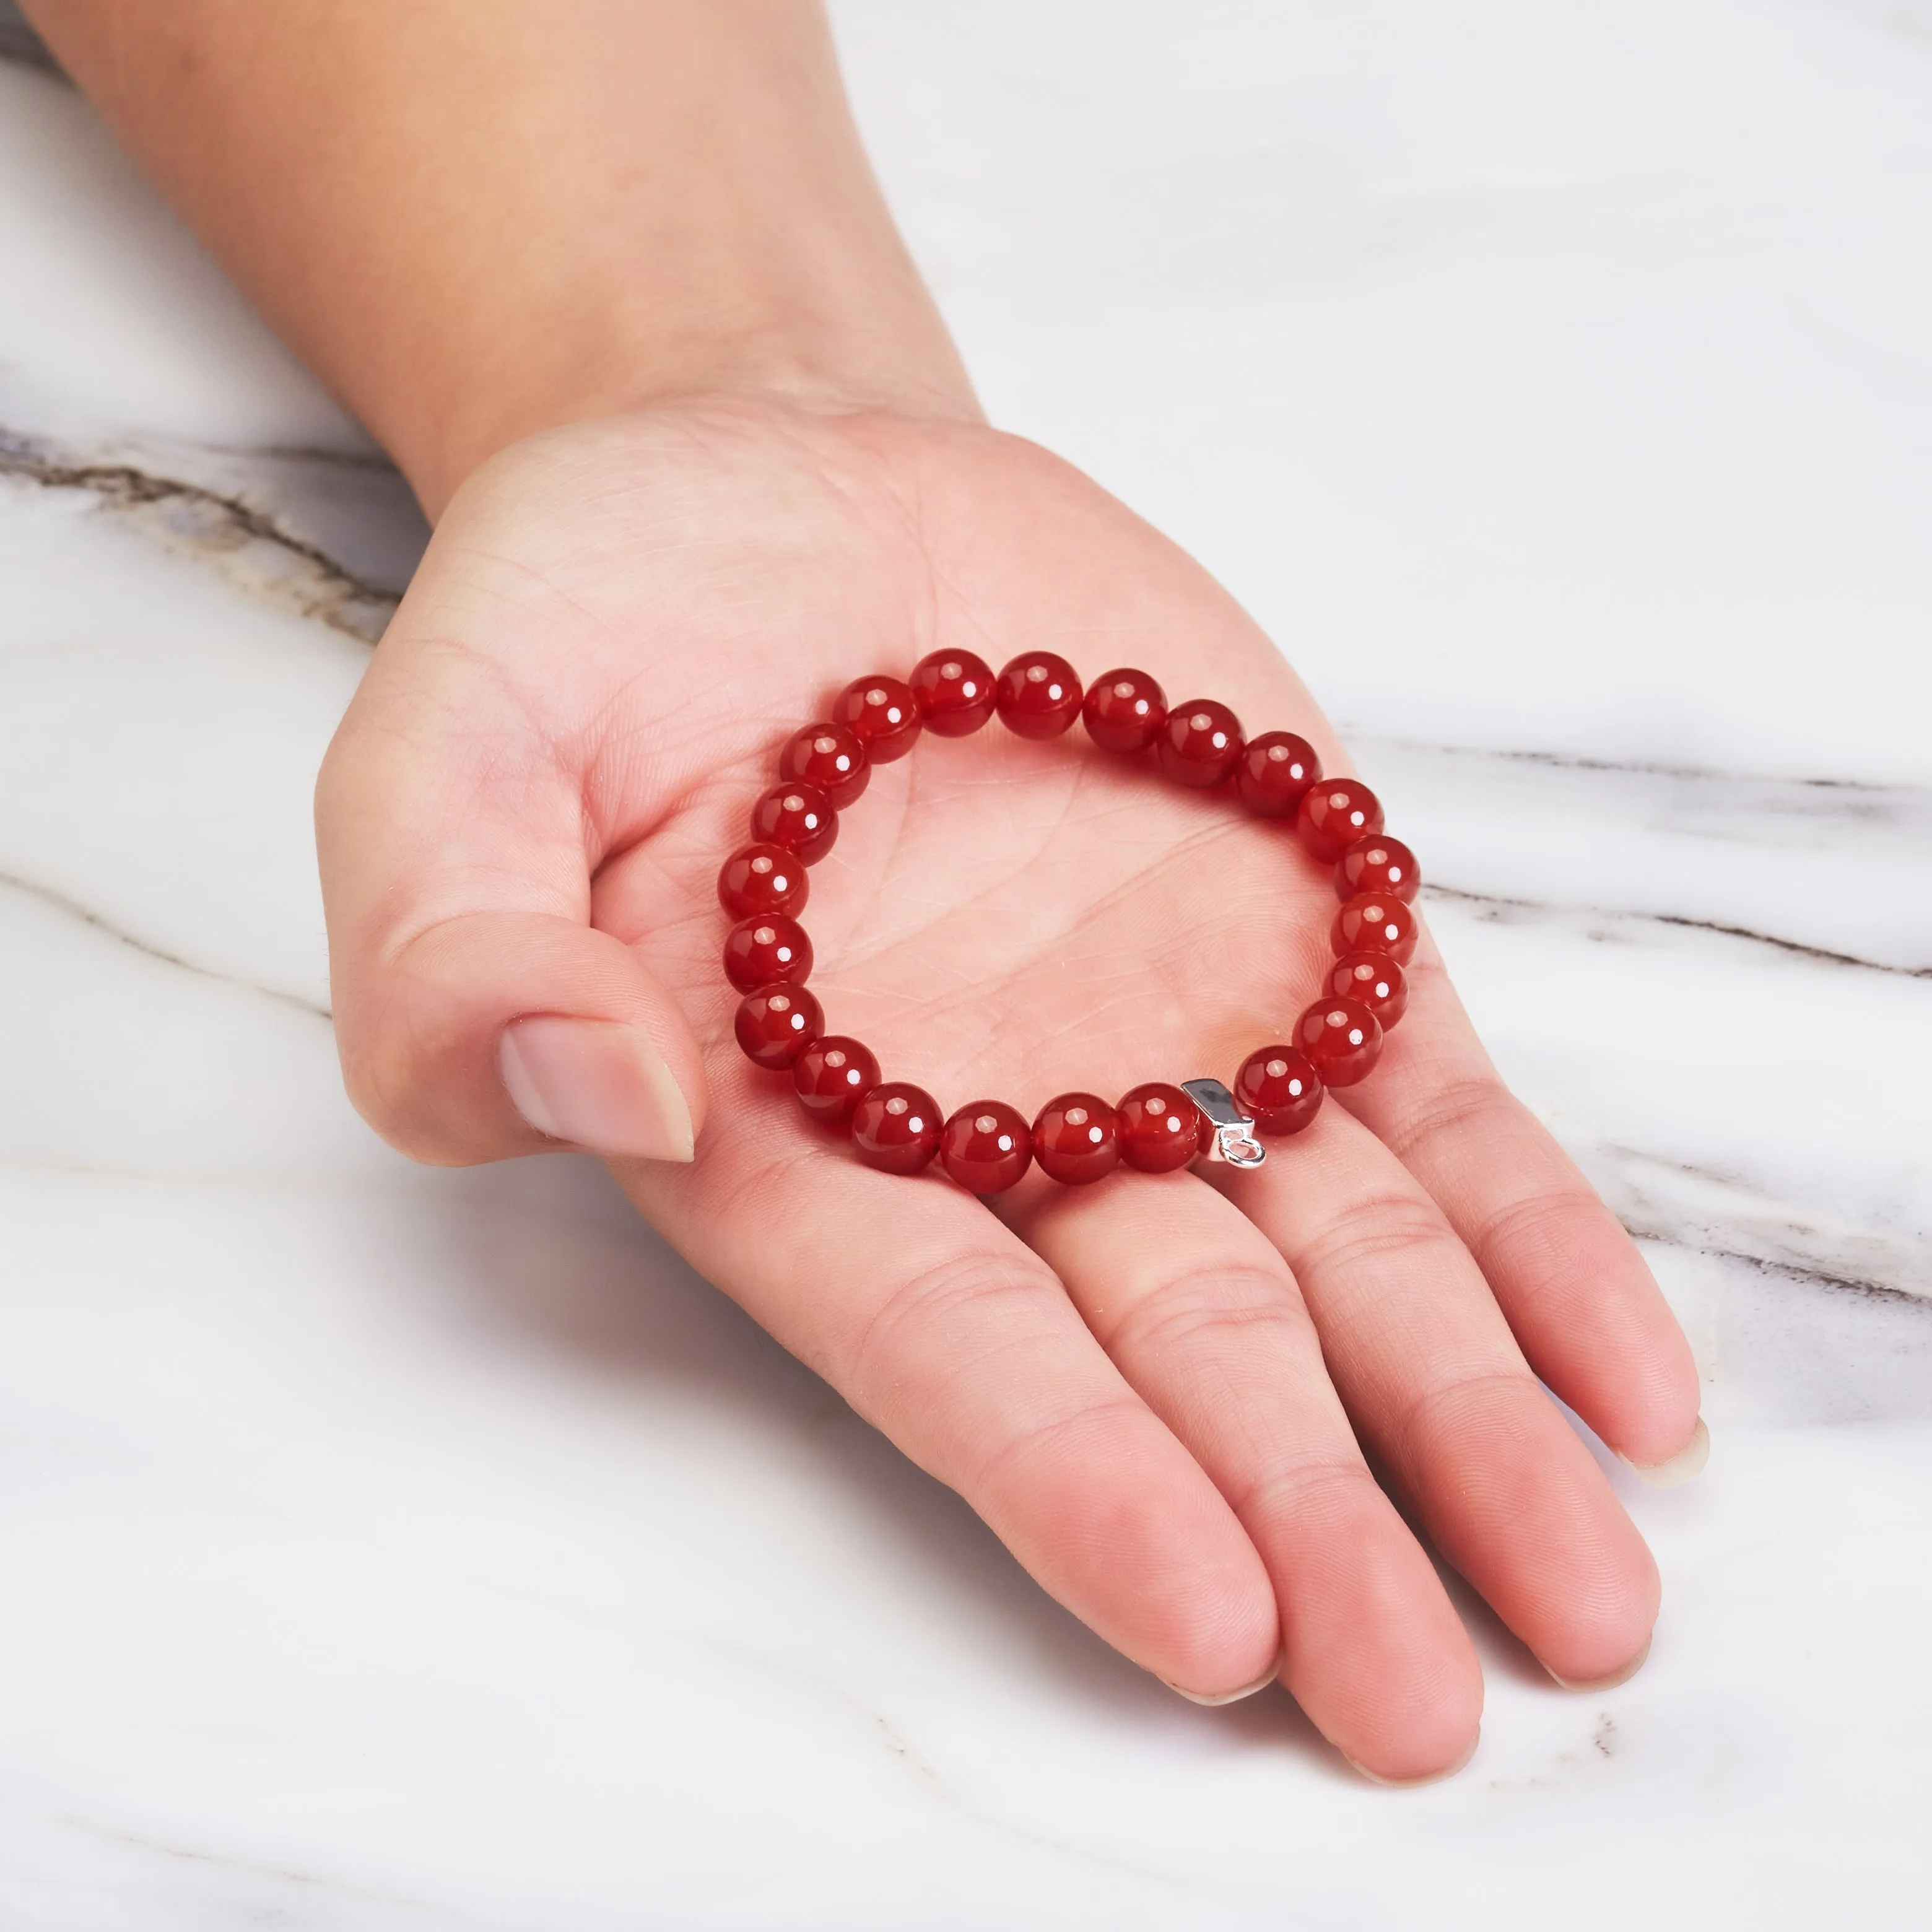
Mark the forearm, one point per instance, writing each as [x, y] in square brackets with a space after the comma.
[475, 219]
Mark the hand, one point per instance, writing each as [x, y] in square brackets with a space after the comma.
[1159, 1391]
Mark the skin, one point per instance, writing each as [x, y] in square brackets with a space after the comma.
[1189, 1404]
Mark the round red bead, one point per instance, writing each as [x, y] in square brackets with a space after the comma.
[1372, 980]
[1333, 814]
[768, 949]
[829, 757]
[1278, 1089]
[954, 692]
[882, 713]
[798, 817]
[986, 1147]
[896, 1128]
[1039, 696]
[1342, 1037]
[1160, 1128]
[762, 878]
[1076, 1138]
[776, 1023]
[1275, 769]
[1124, 711]
[1378, 864]
[1373, 922]
[831, 1076]
[1200, 744]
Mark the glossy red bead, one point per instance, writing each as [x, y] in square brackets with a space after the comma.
[896, 1128]
[762, 878]
[954, 692]
[1279, 1089]
[1161, 1129]
[800, 817]
[831, 1076]
[986, 1147]
[1124, 711]
[767, 949]
[1378, 864]
[1076, 1138]
[882, 713]
[1038, 694]
[1343, 1039]
[829, 757]
[1333, 814]
[1200, 744]
[1275, 770]
[1374, 922]
[776, 1023]
[1372, 980]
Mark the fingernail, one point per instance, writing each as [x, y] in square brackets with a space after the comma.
[1261, 1683]
[597, 1084]
[1610, 1682]
[1415, 1783]
[1682, 1466]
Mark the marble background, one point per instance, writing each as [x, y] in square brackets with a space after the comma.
[385, 1549]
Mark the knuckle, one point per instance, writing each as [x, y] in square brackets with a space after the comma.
[1461, 1103]
[1205, 1304]
[974, 1298]
[1440, 1407]
[1379, 1228]
[1311, 1486]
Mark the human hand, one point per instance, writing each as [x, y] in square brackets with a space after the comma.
[1154, 1389]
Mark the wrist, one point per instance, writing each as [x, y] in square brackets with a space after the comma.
[880, 344]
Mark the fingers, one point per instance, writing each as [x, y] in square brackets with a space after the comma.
[477, 1012]
[1204, 1319]
[1570, 1281]
[1441, 1397]
[944, 1330]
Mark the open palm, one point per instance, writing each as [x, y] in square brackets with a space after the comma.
[1164, 1393]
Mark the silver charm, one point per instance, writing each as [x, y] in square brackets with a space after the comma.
[1234, 1140]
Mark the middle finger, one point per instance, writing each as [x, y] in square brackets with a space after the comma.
[1202, 1315]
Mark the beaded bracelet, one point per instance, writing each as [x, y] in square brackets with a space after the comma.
[987, 1146]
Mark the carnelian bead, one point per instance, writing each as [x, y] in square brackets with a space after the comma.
[896, 1128]
[800, 817]
[1278, 1089]
[831, 1076]
[829, 757]
[1275, 769]
[954, 692]
[1378, 864]
[1076, 1138]
[1374, 922]
[762, 878]
[1342, 1037]
[1124, 711]
[768, 949]
[882, 713]
[986, 1147]
[1200, 744]
[1039, 695]
[1372, 980]
[776, 1023]
[1333, 814]
[1160, 1128]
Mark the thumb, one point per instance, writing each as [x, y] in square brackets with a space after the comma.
[478, 1013]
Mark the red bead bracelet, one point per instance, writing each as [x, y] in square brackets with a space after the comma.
[987, 1146]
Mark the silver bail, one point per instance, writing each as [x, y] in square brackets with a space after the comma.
[1234, 1140]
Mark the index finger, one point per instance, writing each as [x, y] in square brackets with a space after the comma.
[944, 1330]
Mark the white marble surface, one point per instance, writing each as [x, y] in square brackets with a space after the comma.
[382, 1548]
